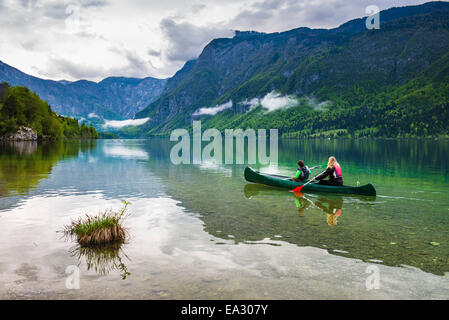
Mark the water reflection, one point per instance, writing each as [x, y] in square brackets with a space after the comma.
[372, 156]
[102, 259]
[302, 204]
[332, 207]
[407, 174]
[126, 152]
[24, 164]
[398, 227]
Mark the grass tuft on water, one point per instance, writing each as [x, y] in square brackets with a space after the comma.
[106, 227]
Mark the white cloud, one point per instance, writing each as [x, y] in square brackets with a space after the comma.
[254, 102]
[274, 101]
[271, 101]
[214, 110]
[124, 123]
[92, 115]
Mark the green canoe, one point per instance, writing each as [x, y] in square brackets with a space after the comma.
[252, 175]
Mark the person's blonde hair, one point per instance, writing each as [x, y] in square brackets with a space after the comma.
[331, 219]
[332, 161]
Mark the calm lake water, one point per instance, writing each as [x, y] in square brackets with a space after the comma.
[202, 231]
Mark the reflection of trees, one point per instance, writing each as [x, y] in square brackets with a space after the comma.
[102, 259]
[378, 156]
[362, 154]
[24, 163]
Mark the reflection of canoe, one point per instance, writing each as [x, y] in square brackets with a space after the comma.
[251, 190]
[252, 175]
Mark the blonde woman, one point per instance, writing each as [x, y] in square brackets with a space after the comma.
[334, 173]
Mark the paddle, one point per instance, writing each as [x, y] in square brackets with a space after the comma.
[323, 165]
[299, 188]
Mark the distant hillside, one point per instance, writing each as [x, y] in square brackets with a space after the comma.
[343, 81]
[19, 107]
[113, 98]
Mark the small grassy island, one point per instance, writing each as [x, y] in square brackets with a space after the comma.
[25, 116]
[105, 228]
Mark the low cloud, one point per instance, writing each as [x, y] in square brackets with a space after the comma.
[123, 123]
[92, 115]
[271, 101]
[274, 101]
[253, 103]
[318, 106]
[214, 110]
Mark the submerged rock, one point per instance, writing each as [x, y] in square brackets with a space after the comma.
[23, 134]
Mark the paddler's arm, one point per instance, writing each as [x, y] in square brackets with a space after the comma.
[324, 174]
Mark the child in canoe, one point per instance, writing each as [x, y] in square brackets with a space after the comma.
[302, 173]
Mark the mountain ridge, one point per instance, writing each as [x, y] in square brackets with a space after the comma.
[112, 98]
[344, 65]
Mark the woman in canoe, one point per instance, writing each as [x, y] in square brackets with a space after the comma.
[334, 173]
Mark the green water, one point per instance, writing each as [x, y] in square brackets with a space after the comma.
[396, 228]
[208, 213]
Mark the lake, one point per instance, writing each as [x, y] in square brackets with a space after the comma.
[203, 232]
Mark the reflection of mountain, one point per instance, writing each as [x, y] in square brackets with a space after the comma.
[388, 229]
[24, 164]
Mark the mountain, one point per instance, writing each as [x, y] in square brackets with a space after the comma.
[113, 98]
[391, 81]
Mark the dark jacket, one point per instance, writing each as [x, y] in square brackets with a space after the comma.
[329, 172]
[303, 173]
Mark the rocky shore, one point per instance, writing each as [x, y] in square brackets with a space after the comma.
[23, 134]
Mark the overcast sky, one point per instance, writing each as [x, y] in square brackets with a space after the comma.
[94, 39]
